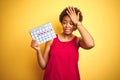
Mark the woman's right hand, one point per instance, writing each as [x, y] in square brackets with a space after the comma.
[35, 45]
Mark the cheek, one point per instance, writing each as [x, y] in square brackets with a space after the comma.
[63, 26]
[74, 27]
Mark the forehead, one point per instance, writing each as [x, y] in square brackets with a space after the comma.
[66, 18]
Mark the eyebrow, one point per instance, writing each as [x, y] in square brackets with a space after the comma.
[64, 20]
[67, 21]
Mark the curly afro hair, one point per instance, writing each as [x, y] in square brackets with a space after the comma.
[64, 13]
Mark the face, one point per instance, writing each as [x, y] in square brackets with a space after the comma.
[68, 26]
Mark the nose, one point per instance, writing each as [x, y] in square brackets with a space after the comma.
[68, 25]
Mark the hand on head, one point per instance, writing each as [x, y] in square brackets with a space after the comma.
[73, 14]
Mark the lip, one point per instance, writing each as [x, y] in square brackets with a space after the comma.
[67, 30]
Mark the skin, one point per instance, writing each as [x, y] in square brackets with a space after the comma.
[69, 24]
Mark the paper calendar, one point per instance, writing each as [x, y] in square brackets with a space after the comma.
[43, 33]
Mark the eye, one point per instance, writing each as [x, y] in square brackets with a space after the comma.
[71, 23]
[64, 22]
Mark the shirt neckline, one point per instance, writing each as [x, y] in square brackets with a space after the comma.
[65, 41]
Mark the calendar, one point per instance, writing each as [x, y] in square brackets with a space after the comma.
[43, 33]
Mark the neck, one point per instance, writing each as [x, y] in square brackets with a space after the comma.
[67, 36]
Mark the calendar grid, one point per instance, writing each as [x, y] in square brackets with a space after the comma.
[43, 33]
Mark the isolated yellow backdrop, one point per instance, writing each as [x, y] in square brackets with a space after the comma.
[101, 18]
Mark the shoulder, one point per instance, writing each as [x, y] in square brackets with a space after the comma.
[50, 42]
[77, 38]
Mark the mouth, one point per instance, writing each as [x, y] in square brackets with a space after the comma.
[67, 30]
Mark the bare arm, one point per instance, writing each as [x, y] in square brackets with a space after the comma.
[86, 41]
[42, 59]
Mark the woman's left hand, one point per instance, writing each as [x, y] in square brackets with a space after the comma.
[74, 17]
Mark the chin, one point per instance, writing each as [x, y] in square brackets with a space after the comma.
[68, 33]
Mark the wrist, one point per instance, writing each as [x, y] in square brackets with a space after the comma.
[37, 50]
[78, 23]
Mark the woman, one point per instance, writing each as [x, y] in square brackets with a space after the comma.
[60, 58]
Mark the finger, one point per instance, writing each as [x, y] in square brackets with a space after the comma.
[73, 9]
[68, 13]
[34, 40]
[78, 14]
[69, 10]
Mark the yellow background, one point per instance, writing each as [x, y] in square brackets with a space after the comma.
[100, 17]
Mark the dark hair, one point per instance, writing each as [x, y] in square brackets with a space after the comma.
[64, 13]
